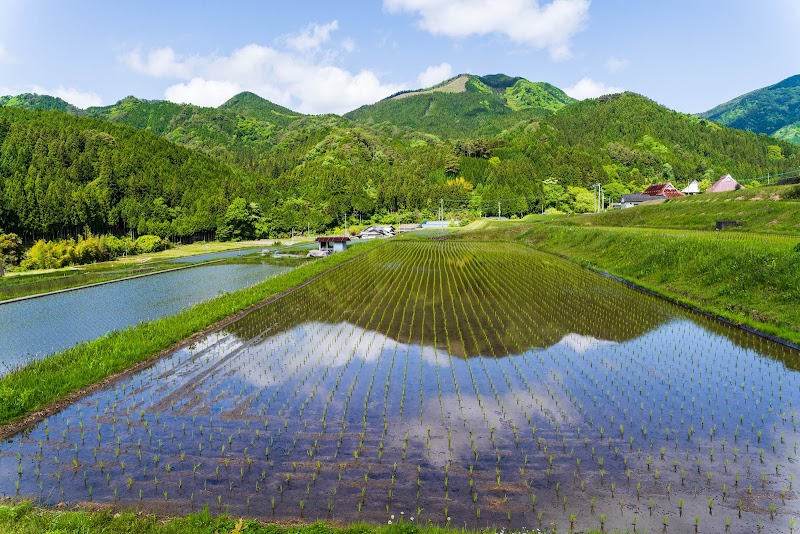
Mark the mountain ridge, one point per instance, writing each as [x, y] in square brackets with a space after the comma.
[773, 110]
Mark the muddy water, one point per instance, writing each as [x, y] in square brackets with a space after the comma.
[484, 383]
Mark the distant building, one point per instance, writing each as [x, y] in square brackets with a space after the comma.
[691, 189]
[408, 227]
[376, 232]
[634, 199]
[726, 183]
[333, 243]
[436, 224]
[663, 189]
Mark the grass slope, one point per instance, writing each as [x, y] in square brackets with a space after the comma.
[765, 110]
[769, 210]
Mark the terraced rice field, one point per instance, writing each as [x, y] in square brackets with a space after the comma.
[465, 383]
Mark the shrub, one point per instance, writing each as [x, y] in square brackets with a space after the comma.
[49, 255]
[146, 244]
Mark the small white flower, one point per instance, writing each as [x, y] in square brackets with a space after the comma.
[390, 521]
[392, 516]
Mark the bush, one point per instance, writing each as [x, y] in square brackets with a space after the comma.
[120, 246]
[146, 244]
[49, 255]
[793, 193]
[10, 249]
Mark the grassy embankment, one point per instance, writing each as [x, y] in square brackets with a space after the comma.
[54, 378]
[19, 284]
[27, 519]
[743, 274]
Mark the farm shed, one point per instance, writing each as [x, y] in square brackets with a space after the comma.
[726, 183]
[629, 201]
[333, 243]
[408, 227]
[663, 189]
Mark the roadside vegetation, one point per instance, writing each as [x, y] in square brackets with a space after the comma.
[24, 518]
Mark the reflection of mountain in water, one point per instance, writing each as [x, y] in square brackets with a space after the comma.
[468, 299]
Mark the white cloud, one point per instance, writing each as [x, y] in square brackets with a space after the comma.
[209, 93]
[549, 26]
[435, 74]
[160, 63]
[312, 36]
[589, 88]
[615, 64]
[293, 77]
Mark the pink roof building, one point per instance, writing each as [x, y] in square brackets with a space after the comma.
[663, 189]
[726, 183]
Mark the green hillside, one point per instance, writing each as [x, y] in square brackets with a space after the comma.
[465, 106]
[238, 132]
[43, 102]
[60, 173]
[252, 106]
[769, 110]
[307, 172]
[631, 139]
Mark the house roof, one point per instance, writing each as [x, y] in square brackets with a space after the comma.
[333, 239]
[410, 226]
[666, 189]
[693, 187]
[725, 183]
[641, 197]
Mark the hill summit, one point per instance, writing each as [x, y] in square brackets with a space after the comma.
[466, 105]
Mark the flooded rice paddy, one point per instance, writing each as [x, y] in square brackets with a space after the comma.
[461, 383]
[32, 329]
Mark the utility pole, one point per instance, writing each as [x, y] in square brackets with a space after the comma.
[498, 209]
[441, 209]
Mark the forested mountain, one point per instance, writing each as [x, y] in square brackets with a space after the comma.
[60, 173]
[295, 172]
[43, 102]
[465, 105]
[773, 110]
[239, 132]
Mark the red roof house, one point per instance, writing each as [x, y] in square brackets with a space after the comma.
[726, 183]
[665, 189]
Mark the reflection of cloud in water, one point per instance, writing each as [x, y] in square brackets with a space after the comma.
[582, 344]
[316, 344]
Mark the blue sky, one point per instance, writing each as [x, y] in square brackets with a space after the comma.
[323, 56]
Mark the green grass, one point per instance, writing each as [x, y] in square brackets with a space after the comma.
[748, 278]
[24, 518]
[43, 382]
[774, 210]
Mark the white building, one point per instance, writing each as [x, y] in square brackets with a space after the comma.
[333, 243]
